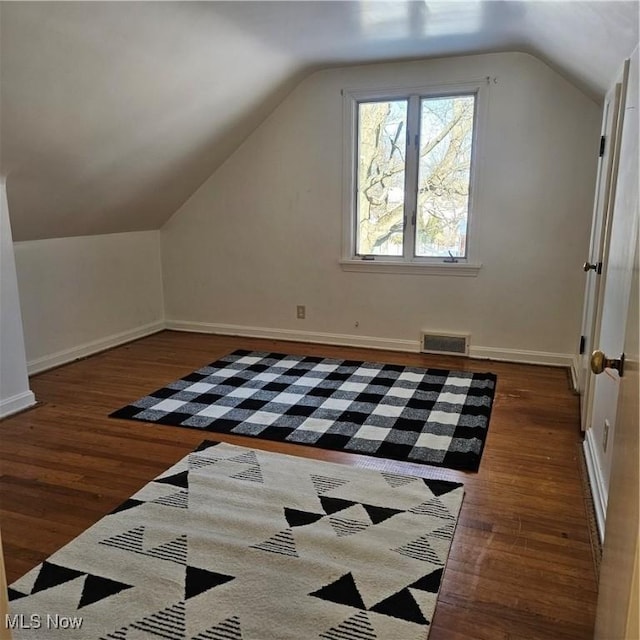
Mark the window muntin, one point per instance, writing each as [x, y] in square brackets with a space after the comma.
[413, 176]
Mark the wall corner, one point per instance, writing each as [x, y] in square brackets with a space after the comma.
[15, 394]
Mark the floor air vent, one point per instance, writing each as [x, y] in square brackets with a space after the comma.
[449, 344]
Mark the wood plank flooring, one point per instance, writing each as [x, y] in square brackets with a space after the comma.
[521, 564]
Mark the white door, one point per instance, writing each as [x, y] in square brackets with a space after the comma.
[617, 274]
[617, 613]
[598, 245]
[618, 599]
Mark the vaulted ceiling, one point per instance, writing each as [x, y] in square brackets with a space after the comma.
[114, 113]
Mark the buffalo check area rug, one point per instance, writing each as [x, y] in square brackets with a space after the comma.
[234, 543]
[429, 416]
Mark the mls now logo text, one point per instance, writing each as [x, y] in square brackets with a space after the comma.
[36, 621]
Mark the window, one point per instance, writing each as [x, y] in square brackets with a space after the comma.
[410, 159]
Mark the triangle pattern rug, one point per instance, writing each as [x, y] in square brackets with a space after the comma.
[235, 558]
[429, 416]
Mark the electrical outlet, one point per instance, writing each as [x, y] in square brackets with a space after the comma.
[301, 312]
[605, 436]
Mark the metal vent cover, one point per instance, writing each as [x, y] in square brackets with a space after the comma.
[444, 343]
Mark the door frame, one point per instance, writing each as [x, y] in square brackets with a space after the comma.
[597, 248]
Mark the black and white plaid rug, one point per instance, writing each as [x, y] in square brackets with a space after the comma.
[429, 416]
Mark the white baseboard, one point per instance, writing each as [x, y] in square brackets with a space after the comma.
[522, 356]
[296, 336]
[371, 342]
[596, 481]
[89, 348]
[16, 403]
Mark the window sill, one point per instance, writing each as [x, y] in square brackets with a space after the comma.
[463, 269]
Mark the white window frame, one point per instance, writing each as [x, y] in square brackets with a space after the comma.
[409, 264]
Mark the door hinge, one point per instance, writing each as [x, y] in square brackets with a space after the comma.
[583, 341]
[599, 268]
[602, 145]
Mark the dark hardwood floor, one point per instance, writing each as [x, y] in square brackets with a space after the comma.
[521, 563]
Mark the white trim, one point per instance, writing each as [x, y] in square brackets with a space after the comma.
[370, 342]
[16, 403]
[596, 482]
[89, 348]
[412, 268]
[350, 99]
[522, 356]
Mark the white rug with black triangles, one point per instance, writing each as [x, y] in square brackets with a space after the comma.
[234, 543]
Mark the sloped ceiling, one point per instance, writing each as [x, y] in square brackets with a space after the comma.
[113, 113]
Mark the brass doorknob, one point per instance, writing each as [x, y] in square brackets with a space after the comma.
[600, 362]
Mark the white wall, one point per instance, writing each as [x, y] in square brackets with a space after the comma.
[15, 394]
[263, 234]
[83, 294]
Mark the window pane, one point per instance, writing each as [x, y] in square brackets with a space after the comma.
[446, 135]
[382, 134]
